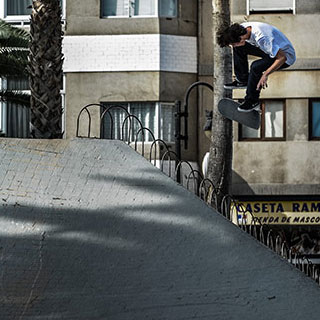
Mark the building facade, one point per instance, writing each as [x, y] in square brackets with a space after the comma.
[141, 55]
[276, 167]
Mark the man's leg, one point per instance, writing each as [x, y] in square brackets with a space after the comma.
[256, 70]
[240, 60]
[251, 101]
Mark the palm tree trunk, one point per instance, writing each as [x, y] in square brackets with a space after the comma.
[220, 159]
[45, 69]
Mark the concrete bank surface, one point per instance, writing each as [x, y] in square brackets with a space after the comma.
[89, 229]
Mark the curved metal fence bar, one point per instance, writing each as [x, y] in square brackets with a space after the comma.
[270, 243]
[142, 130]
[130, 130]
[214, 194]
[253, 229]
[191, 169]
[232, 207]
[200, 177]
[252, 226]
[225, 205]
[203, 187]
[309, 268]
[233, 210]
[168, 152]
[239, 208]
[78, 122]
[278, 246]
[107, 111]
[154, 144]
[85, 108]
[290, 256]
[284, 250]
[316, 273]
[296, 260]
[262, 237]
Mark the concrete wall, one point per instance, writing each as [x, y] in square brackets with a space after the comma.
[284, 167]
[143, 52]
[87, 88]
[276, 168]
[84, 19]
[238, 7]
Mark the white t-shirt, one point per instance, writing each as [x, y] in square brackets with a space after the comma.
[270, 39]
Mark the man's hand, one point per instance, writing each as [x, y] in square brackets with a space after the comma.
[263, 82]
[280, 59]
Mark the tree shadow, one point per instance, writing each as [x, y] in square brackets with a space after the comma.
[105, 236]
[75, 262]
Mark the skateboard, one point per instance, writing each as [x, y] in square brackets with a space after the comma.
[229, 109]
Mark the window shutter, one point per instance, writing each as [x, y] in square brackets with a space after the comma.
[271, 5]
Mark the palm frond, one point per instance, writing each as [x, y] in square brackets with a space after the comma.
[13, 63]
[13, 37]
[15, 96]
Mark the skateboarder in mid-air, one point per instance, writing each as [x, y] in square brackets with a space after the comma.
[257, 39]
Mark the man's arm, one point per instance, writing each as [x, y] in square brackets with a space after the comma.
[280, 60]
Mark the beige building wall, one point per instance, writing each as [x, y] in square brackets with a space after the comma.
[93, 88]
[83, 18]
[265, 167]
[82, 88]
[287, 167]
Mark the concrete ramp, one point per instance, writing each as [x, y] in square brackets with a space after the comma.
[91, 230]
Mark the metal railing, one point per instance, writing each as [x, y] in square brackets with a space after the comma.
[229, 207]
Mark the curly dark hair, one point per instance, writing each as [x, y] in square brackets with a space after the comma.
[230, 34]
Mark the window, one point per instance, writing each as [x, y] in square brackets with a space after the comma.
[272, 123]
[314, 119]
[262, 6]
[17, 11]
[158, 117]
[167, 122]
[142, 8]
[168, 8]
[18, 7]
[14, 117]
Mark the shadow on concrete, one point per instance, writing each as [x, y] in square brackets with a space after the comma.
[117, 239]
[158, 261]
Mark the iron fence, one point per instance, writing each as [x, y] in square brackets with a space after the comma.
[203, 187]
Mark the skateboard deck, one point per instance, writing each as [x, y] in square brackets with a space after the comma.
[229, 109]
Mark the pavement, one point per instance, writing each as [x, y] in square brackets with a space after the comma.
[89, 229]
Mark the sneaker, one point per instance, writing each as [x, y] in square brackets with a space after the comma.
[249, 105]
[235, 85]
